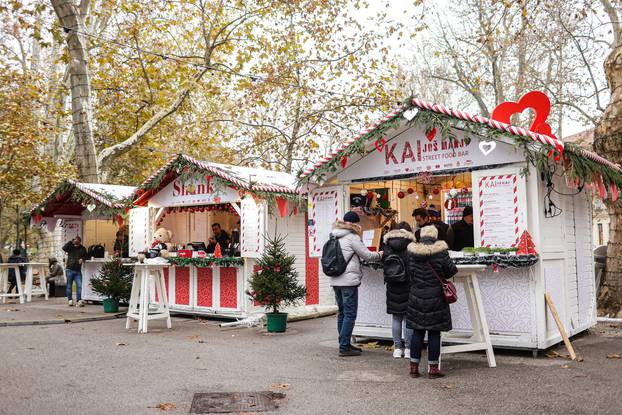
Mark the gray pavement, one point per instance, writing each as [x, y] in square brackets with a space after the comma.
[53, 311]
[100, 368]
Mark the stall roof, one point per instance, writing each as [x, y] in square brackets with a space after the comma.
[249, 178]
[461, 115]
[60, 201]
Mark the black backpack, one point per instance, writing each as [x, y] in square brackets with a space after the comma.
[394, 269]
[96, 251]
[334, 263]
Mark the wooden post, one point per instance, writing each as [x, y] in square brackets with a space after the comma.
[560, 326]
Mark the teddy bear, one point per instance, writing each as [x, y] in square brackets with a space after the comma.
[161, 244]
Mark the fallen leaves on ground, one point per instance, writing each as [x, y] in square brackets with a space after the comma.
[370, 345]
[121, 344]
[613, 356]
[196, 338]
[580, 359]
[12, 309]
[565, 366]
[552, 354]
[448, 386]
[281, 386]
[165, 406]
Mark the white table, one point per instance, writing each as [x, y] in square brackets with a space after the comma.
[148, 287]
[480, 337]
[4, 282]
[29, 290]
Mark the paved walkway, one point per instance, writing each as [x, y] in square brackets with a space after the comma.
[53, 311]
[101, 368]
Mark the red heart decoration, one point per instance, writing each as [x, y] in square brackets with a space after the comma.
[431, 134]
[381, 146]
[535, 100]
[344, 162]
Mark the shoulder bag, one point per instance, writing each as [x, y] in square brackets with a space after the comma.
[449, 289]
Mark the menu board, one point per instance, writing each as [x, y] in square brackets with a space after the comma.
[498, 210]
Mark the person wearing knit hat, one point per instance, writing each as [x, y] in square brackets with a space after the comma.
[349, 233]
[460, 234]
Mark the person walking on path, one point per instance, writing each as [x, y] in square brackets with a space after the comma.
[76, 255]
[396, 278]
[428, 261]
[346, 285]
[56, 275]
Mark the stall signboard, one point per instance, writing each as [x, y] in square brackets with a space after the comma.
[412, 151]
[499, 206]
[252, 227]
[193, 192]
[325, 208]
[71, 229]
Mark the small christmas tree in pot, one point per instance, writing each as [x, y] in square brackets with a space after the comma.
[114, 282]
[274, 284]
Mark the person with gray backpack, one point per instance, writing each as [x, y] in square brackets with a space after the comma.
[341, 260]
[397, 281]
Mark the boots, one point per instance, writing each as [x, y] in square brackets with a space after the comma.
[434, 372]
[414, 369]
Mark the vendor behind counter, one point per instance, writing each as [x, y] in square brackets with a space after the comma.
[460, 234]
[220, 237]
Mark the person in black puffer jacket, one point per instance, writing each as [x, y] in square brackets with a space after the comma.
[428, 260]
[395, 248]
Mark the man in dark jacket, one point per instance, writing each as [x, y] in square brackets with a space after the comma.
[395, 260]
[428, 265]
[76, 255]
[422, 217]
[16, 258]
[460, 234]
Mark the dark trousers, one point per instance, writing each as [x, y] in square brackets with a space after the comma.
[347, 301]
[434, 346]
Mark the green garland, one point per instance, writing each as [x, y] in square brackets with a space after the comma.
[77, 196]
[207, 262]
[536, 154]
[189, 171]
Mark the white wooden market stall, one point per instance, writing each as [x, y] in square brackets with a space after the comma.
[90, 210]
[516, 180]
[187, 196]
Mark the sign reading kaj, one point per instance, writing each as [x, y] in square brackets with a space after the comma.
[413, 151]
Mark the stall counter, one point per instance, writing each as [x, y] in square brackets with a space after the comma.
[213, 290]
[90, 269]
[509, 303]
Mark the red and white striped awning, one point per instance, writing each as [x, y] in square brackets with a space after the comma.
[247, 178]
[510, 129]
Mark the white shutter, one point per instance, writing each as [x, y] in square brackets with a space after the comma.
[326, 205]
[253, 227]
[139, 230]
[499, 206]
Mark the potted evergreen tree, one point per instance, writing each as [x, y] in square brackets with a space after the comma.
[274, 283]
[114, 282]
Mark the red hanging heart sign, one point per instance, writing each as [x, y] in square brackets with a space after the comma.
[380, 144]
[431, 134]
[541, 105]
[535, 100]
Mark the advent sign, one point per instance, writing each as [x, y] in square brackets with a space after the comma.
[193, 192]
[412, 151]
